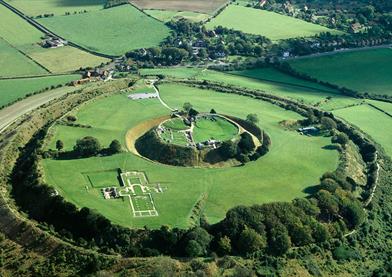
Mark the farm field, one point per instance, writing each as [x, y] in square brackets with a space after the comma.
[278, 84]
[375, 123]
[373, 69]
[166, 16]
[125, 25]
[201, 6]
[13, 89]
[28, 58]
[56, 7]
[13, 63]
[16, 31]
[387, 107]
[65, 59]
[224, 187]
[269, 24]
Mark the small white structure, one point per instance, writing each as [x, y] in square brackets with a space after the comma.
[140, 96]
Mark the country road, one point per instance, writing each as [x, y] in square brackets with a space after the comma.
[10, 114]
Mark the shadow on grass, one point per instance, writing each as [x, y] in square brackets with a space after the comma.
[330, 147]
[311, 189]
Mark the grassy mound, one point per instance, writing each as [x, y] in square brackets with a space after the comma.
[277, 176]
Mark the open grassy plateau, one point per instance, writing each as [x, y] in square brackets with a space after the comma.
[269, 24]
[111, 31]
[218, 189]
[372, 73]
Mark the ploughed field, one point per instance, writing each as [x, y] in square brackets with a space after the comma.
[363, 71]
[269, 24]
[166, 16]
[37, 8]
[112, 31]
[278, 176]
[202, 6]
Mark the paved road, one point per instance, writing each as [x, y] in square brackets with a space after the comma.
[10, 114]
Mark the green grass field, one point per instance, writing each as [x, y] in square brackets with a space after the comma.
[375, 123]
[277, 176]
[17, 31]
[269, 24]
[364, 71]
[102, 179]
[13, 63]
[57, 7]
[21, 54]
[387, 107]
[269, 80]
[166, 16]
[218, 129]
[65, 59]
[111, 31]
[176, 124]
[13, 89]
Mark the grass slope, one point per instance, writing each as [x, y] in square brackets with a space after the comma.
[56, 7]
[111, 31]
[365, 71]
[265, 23]
[375, 123]
[278, 84]
[257, 182]
[11, 90]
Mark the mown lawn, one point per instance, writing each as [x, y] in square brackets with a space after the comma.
[176, 124]
[269, 24]
[276, 177]
[364, 71]
[11, 90]
[375, 123]
[111, 31]
[217, 129]
[56, 7]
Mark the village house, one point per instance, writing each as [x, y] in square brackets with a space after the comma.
[53, 43]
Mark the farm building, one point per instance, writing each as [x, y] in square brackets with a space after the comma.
[308, 130]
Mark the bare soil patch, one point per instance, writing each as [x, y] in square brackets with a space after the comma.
[202, 6]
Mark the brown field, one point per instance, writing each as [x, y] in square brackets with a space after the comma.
[202, 6]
